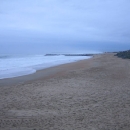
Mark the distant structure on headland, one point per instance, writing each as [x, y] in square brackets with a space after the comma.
[69, 54]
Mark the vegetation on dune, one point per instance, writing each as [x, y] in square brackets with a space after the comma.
[124, 54]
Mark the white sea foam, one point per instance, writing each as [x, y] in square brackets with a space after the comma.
[18, 66]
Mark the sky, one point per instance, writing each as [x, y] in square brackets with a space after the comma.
[49, 26]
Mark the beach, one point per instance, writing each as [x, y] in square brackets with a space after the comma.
[92, 94]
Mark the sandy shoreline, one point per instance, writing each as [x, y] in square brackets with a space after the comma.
[92, 94]
[41, 74]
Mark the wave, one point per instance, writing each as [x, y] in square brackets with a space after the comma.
[23, 65]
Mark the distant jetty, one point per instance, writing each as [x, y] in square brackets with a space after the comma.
[124, 54]
[69, 54]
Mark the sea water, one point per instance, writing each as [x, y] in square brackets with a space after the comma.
[14, 66]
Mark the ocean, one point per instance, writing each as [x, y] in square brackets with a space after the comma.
[14, 66]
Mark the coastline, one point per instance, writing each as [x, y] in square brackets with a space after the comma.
[91, 94]
[17, 66]
[41, 73]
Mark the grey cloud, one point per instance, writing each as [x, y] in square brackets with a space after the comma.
[104, 21]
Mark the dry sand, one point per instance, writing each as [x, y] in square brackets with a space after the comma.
[91, 94]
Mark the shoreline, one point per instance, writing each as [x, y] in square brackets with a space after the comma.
[41, 73]
[25, 67]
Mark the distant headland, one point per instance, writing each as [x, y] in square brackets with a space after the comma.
[69, 54]
[123, 54]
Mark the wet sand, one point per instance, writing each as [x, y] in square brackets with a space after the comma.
[91, 94]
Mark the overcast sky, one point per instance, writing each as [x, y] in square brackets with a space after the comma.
[64, 25]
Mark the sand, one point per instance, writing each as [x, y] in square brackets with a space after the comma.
[92, 94]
